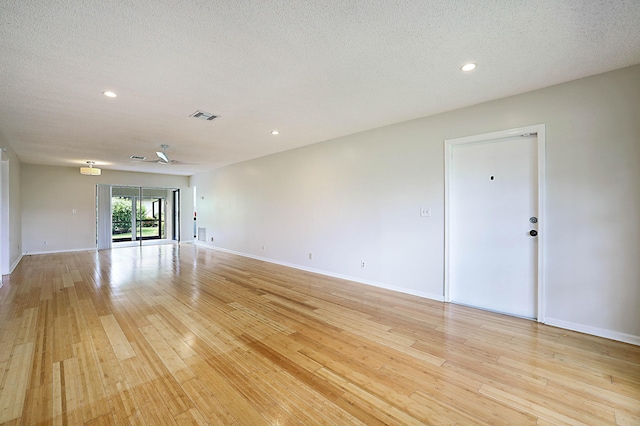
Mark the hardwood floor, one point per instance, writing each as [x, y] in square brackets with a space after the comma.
[185, 335]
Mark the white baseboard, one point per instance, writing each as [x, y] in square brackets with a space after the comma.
[595, 331]
[58, 251]
[607, 334]
[80, 249]
[404, 290]
[15, 263]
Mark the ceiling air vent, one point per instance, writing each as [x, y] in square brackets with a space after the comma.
[204, 115]
[138, 157]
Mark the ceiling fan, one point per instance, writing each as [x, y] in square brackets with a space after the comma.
[163, 158]
[162, 155]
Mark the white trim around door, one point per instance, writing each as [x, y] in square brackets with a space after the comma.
[538, 129]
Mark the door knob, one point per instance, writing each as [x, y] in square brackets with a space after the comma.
[533, 232]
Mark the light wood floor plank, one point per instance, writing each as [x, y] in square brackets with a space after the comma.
[167, 355]
[529, 407]
[187, 335]
[116, 337]
[13, 393]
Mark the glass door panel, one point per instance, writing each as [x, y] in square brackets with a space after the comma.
[144, 214]
[153, 213]
[124, 203]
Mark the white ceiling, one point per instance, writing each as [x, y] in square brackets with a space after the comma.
[314, 70]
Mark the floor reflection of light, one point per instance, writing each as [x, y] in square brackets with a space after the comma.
[154, 257]
[97, 271]
[119, 270]
[161, 266]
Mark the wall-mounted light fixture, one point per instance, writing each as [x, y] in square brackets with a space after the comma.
[91, 171]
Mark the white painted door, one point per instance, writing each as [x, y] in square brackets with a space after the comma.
[493, 192]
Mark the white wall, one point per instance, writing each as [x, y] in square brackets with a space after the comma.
[358, 198]
[49, 195]
[10, 208]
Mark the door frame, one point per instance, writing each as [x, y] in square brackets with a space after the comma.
[103, 202]
[5, 238]
[448, 170]
[175, 212]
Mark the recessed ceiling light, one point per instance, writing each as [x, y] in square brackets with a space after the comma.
[468, 67]
[110, 94]
[275, 132]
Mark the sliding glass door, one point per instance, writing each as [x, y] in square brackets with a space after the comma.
[140, 214]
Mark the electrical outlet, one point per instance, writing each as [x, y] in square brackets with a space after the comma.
[310, 256]
[262, 247]
[425, 211]
[211, 239]
[363, 264]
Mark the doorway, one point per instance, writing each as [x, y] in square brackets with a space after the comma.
[494, 225]
[175, 209]
[132, 215]
[138, 214]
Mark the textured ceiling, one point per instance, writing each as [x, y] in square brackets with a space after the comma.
[314, 70]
